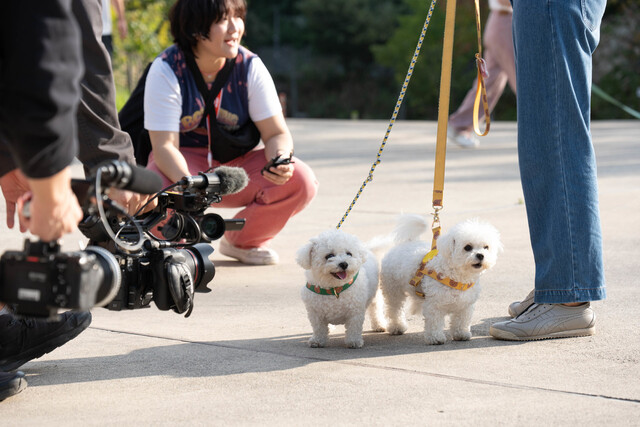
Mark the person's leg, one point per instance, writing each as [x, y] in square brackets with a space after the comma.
[498, 39]
[557, 165]
[268, 207]
[556, 156]
[24, 339]
[461, 121]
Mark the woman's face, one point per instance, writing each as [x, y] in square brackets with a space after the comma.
[224, 38]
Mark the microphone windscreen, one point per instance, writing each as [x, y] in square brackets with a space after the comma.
[232, 179]
[144, 181]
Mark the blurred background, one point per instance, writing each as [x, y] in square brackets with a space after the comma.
[348, 58]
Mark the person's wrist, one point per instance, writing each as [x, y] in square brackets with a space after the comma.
[51, 188]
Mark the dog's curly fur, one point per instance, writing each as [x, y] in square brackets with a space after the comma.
[332, 259]
[464, 253]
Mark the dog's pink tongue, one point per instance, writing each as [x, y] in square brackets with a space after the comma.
[342, 275]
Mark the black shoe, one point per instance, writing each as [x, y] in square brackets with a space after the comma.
[11, 383]
[24, 339]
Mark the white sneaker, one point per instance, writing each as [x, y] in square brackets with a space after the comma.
[543, 321]
[464, 141]
[518, 307]
[252, 256]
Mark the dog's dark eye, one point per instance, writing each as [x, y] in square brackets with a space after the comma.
[468, 248]
[349, 253]
[486, 248]
[329, 256]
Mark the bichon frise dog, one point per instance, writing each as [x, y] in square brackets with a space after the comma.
[469, 249]
[342, 282]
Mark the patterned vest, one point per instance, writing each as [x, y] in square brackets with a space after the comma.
[233, 111]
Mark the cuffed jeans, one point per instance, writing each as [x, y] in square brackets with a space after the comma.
[554, 41]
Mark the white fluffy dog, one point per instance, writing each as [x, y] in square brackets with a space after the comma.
[342, 282]
[464, 253]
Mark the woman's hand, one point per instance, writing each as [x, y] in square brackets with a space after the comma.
[279, 174]
[277, 144]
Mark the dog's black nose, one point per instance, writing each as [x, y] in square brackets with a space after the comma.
[480, 256]
[343, 265]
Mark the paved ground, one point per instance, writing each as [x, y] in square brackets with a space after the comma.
[242, 357]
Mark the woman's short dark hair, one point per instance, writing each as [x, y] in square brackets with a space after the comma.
[191, 19]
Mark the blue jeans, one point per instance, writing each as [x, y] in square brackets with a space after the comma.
[554, 41]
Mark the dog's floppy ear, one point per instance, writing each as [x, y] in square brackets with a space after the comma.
[303, 256]
[446, 245]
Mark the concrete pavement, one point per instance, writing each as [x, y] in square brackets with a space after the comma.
[242, 357]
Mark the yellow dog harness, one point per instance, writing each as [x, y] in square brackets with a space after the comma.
[424, 271]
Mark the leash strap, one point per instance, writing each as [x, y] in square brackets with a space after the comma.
[394, 115]
[443, 115]
[481, 90]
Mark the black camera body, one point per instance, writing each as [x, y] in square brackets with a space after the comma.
[125, 266]
[42, 279]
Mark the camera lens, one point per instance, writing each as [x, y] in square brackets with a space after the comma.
[197, 257]
[212, 226]
[112, 277]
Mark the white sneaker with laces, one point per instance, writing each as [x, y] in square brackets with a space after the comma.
[252, 256]
[461, 139]
[543, 321]
[518, 307]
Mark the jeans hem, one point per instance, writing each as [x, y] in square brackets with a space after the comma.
[564, 296]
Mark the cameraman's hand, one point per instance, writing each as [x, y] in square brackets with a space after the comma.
[14, 184]
[54, 209]
[131, 201]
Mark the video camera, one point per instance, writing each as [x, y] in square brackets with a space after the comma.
[126, 266]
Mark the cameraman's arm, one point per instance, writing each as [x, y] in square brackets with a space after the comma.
[167, 155]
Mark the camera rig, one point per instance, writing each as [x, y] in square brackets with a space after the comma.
[161, 256]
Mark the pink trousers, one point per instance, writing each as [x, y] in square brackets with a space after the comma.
[267, 206]
[499, 57]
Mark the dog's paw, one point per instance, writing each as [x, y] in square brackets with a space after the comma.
[435, 339]
[316, 343]
[396, 329]
[355, 343]
[461, 335]
[378, 327]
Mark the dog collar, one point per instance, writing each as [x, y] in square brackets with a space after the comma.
[332, 291]
[424, 271]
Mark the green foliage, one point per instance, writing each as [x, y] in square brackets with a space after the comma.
[149, 34]
[348, 58]
[617, 60]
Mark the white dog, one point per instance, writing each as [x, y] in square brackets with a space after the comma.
[464, 253]
[342, 282]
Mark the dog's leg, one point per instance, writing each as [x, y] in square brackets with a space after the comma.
[433, 324]
[320, 331]
[461, 324]
[394, 310]
[353, 333]
[375, 313]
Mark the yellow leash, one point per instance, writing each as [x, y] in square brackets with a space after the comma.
[481, 90]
